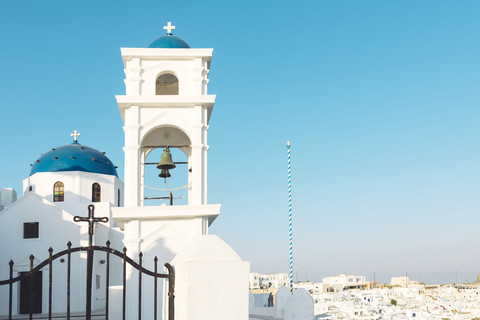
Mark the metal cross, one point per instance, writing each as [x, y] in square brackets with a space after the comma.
[91, 220]
[75, 134]
[169, 27]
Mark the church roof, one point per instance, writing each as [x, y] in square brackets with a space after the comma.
[74, 157]
[168, 41]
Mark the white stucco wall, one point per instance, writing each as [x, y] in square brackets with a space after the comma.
[299, 306]
[211, 281]
[77, 188]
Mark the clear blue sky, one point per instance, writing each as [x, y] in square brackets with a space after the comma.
[381, 100]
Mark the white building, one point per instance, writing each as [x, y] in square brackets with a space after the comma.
[402, 281]
[7, 197]
[166, 105]
[268, 280]
[343, 282]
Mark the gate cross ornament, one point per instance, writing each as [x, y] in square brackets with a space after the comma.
[91, 220]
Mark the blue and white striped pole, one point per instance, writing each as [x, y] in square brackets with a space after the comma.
[290, 234]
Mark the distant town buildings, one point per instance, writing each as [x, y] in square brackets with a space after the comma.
[353, 297]
[344, 282]
[266, 281]
[402, 282]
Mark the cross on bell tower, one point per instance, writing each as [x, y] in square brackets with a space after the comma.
[169, 28]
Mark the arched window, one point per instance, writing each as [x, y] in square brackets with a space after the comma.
[58, 191]
[96, 192]
[118, 200]
[167, 84]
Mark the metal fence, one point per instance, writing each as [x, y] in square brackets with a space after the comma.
[27, 278]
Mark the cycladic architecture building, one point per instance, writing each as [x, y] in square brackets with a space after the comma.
[7, 196]
[166, 106]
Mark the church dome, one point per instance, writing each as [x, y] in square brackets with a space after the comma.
[74, 157]
[168, 41]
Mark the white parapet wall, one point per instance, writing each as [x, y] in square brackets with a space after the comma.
[211, 281]
[298, 306]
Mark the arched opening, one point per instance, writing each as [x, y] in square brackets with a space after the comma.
[96, 192]
[166, 84]
[158, 190]
[58, 191]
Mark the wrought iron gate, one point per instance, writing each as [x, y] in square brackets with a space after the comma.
[29, 276]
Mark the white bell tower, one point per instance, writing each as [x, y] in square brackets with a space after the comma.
[166, 104]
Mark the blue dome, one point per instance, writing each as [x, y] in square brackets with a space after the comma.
[74, 157]
[168, 41]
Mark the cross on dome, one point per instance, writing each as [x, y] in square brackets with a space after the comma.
[75, 134]
[169, 27]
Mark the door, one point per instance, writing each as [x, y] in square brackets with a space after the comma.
[36, 294]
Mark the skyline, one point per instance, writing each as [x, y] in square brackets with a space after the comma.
[379, 100]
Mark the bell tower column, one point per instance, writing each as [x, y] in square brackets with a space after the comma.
[199, 156]
[197, 174]
[132, 157]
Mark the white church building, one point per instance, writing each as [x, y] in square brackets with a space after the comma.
[166, 105]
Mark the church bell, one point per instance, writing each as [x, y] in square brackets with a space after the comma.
[165, 173]
[166, 162]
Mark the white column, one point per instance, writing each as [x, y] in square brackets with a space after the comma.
[132, 77]
[204, 153]
[190, 178]
[197, 174]
[132, 157]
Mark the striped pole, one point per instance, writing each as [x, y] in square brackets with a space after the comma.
[290, 234]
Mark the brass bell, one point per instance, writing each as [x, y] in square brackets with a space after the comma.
[166, 160]
[165, 174]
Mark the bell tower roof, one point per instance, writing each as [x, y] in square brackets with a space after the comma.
[169, 41]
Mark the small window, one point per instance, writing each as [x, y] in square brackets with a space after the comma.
[97, 281]
[58, 191]
[166, 84]
[118, 196]
[96, 192]
[30, 230]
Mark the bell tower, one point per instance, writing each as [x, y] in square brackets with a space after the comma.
[166, 105]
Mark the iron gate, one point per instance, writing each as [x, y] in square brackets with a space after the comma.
[29, 276]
